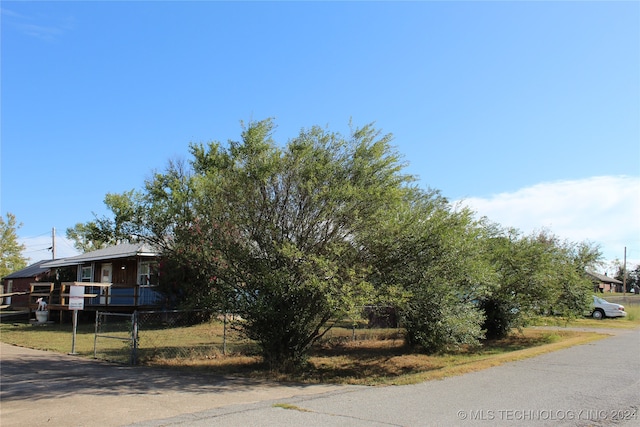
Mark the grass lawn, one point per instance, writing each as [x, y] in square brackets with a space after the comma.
[632, 320]
[375, 357]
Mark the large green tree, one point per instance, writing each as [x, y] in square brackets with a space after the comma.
[428, 256]
[538, 274]
[11, 258]
[272, 230]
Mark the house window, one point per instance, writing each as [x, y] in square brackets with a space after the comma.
[9, 289]
[86, 274]
[147, 273]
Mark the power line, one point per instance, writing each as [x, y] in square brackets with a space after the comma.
[36, 236]
[35, 250]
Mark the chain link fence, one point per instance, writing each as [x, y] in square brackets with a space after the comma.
[147, 336]
[115, 337]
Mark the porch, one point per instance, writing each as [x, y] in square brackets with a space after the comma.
[98, 296]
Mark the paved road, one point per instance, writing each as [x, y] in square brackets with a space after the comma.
[596, 384]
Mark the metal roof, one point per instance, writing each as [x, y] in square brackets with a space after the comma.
[124, 250]
[32, 270]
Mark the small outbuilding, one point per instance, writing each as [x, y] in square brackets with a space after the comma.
[603, 283]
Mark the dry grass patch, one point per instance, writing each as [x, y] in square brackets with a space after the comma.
[391, 362]
[290, 407]
[375, 357]
[387, 362]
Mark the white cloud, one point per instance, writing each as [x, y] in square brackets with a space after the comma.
[604, 210]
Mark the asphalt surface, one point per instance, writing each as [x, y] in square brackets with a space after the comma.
[45, 388]
[595, 384]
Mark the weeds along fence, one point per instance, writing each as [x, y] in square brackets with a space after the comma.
[147, 336]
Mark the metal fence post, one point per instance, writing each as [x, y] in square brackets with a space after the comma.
[134, 337]
[95, 336]
[224, 334]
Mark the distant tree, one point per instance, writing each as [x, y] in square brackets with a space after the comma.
[11, 258]
[85, 237]
[109, 230]
[633, 276]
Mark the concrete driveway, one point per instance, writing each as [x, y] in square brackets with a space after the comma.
[594, 384]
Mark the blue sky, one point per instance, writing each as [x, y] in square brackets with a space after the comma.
[527, 111]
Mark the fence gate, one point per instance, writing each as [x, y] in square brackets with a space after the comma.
[116, 337]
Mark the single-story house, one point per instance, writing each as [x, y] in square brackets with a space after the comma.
[603, 283]
[18, 283]
[128, 271]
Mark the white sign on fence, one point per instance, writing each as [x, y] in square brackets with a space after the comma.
[76, 297]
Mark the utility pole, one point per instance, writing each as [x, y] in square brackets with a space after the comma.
[53, 242]
[624, 273]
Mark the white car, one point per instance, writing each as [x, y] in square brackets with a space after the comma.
[602, 309]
